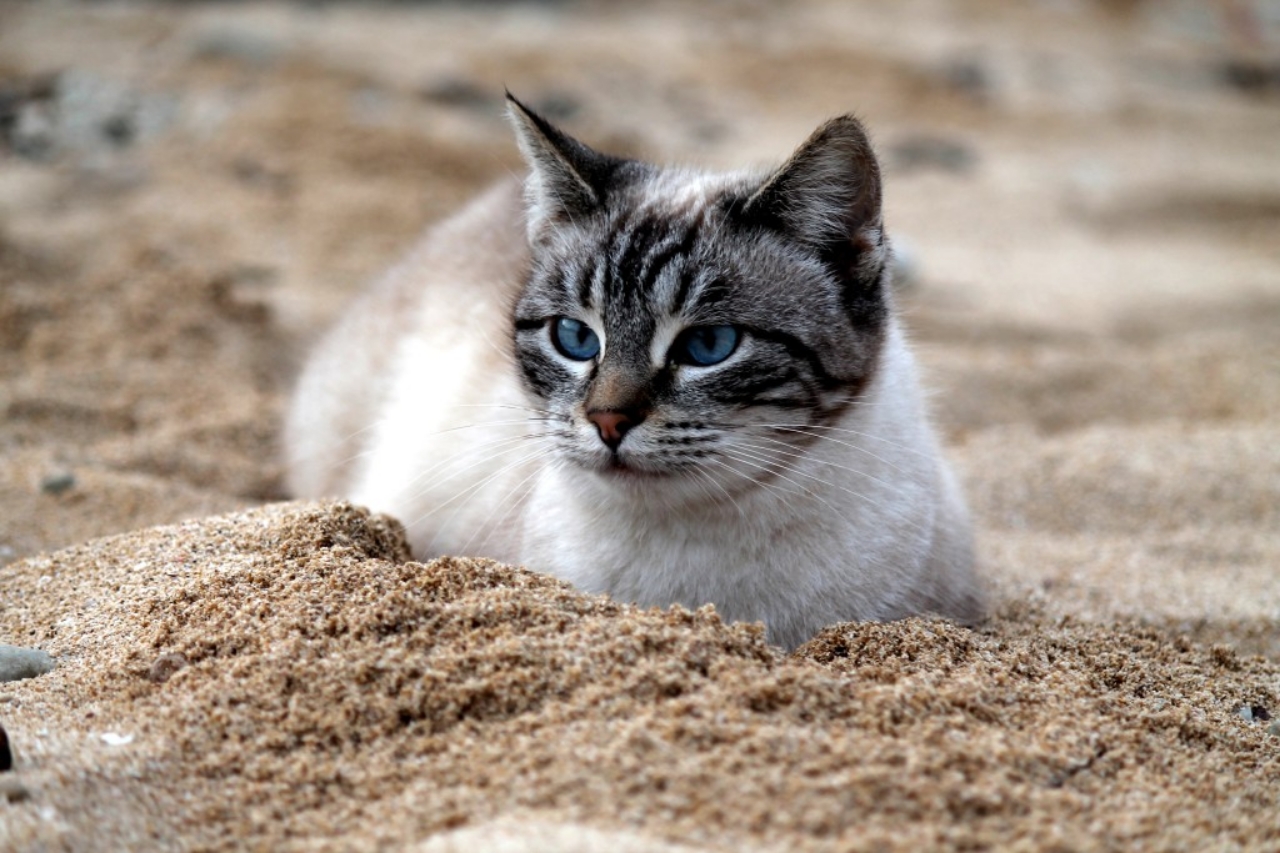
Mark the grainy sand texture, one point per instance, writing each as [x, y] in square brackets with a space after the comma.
[1088, 199]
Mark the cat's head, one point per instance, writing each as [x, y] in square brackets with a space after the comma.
[676, 321]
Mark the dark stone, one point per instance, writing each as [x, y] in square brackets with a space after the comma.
[1255, 78]
[119, 130]
[6, 754]
[458, 92]
[56, 484]
[13, 790]
[923, 151]
[968, 76]
[558, 106]
[17, 663]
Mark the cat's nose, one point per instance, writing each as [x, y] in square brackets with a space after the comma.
[613, 425]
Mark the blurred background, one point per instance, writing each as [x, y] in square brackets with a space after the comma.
[1085, 194]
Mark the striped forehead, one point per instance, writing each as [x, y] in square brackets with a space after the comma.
[646, 257]
[652, 255]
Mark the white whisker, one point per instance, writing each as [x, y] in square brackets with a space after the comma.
[468, 492]
[769, 463]
[795, 454]
[802, 428]
[490, 448]
[703, 477]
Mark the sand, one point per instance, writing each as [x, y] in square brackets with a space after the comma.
[1090, 203]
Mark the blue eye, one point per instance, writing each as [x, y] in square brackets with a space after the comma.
[574, 339]
[705, 345]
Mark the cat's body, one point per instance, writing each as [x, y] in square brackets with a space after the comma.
[668, 386]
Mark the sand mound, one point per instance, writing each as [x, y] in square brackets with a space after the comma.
[283, 679]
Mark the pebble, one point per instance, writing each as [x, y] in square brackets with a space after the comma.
[244, 46]
[13, 790]
[1253, 713]
[968, 76]
[56, 484]
[17, 664]
[459, 92]
[79, 113]
[920, 151]
[165, 666]
[1252, 77]
[6, 754]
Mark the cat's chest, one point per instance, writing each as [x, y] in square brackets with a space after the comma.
[681, 555]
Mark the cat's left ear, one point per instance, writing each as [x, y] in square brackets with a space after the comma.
[827, 196]
[567, 179]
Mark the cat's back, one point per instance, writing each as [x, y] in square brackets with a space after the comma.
[450, 298]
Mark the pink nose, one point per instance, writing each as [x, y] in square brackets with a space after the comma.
[613, 425]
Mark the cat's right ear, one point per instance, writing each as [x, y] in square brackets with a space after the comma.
[827, 196]
[567, 179]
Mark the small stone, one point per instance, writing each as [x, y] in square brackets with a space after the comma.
[56, 484]
[458, 92]
[1252, 77]
[240, 45]
[165, 666]
[558, 106]
[32, 132]
[1245, 713]
[1260, 713]
[13, 790]
[17, 663]
[968, 76]
[119, 129]
[6, 754]
[922, 151]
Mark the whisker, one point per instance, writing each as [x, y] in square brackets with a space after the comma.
[793, 453]
[703, 477]
[810, 476]
[771, 467]
[760, 483]
[339, 442]
[916, 523]
[800, 428]
[550, 417]
[484, 526]
[511, 443]
[469, 491]
[513, 406]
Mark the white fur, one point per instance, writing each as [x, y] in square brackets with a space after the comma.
[822, 548]
[866, 525]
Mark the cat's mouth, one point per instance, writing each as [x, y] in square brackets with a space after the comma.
[627, 468]
[620, 467]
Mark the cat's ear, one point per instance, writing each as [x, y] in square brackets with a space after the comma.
[827, 196]
[567, 179]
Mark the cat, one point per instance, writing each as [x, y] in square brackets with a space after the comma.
[663, 384]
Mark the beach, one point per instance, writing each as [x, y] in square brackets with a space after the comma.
[1086, 200]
